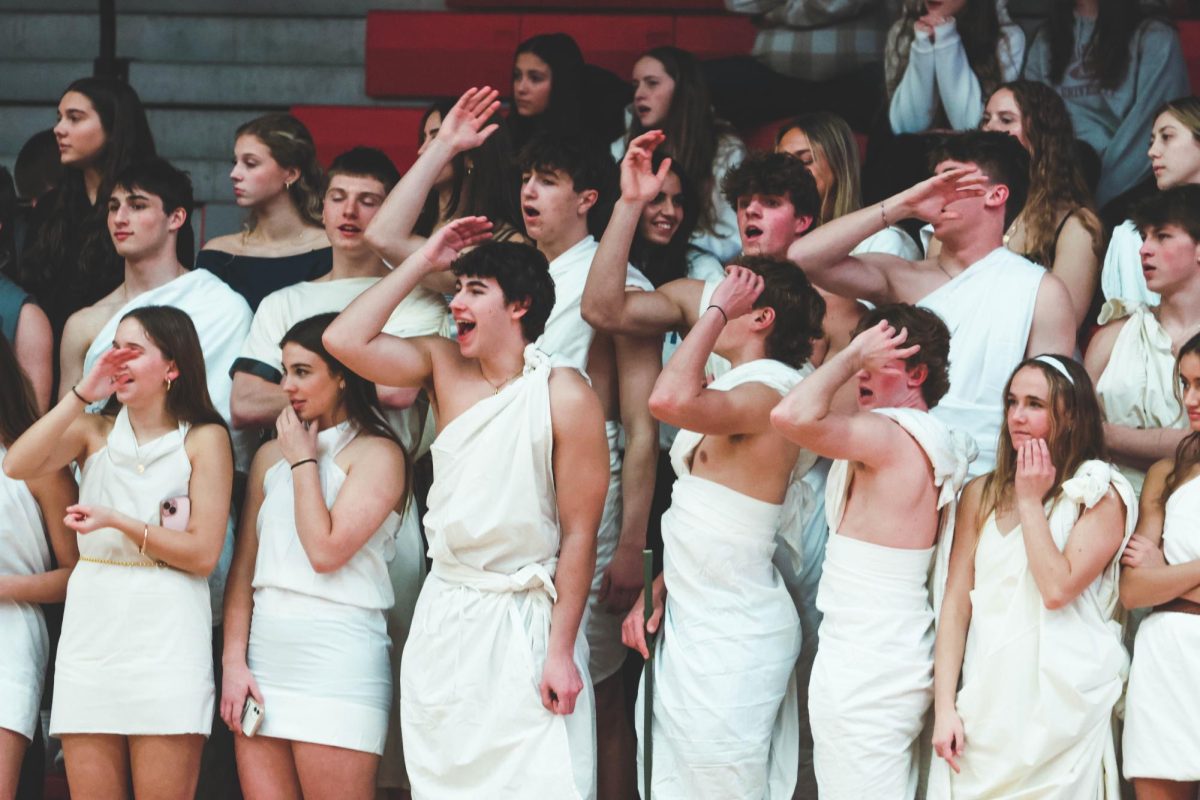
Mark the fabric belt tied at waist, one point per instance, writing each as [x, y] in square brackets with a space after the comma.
[529, 577]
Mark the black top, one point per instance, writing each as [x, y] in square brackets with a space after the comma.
[255, 277]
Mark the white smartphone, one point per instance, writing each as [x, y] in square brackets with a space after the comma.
[252, 716]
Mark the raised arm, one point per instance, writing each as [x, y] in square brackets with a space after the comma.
[807, 415]
[1146, 577]
[681, 396]
[953, 622]
[53, 494]
[580, 464]
[824, 253]
[236, 680]
[390, 233]
[1061, 575]
[65, 433]
[374, 487]
[639, 361]
[356, 337]
[606, 305]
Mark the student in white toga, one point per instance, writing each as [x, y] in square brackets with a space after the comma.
[495, 698]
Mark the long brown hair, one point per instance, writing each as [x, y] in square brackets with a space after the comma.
[360, 398]
[1057, 186]
[18, 408]
[1187, 454]
[173, 333]
[1076, 431]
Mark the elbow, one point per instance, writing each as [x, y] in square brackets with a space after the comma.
[13, 468]
[336, 341]
[665, 405]
[597, 315]
[327, 559]
[239, 419]
[1057, 598]
[792, 422]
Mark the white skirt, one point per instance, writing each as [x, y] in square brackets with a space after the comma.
[1162, 705]
[323, 670]
[135, 656]
[23, 666]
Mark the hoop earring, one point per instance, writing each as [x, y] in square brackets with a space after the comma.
[168, 385]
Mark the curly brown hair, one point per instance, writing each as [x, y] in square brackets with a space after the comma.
[799, 308]
[1057, 186]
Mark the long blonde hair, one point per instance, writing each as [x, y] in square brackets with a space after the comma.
[1076, 432]
[831, 138]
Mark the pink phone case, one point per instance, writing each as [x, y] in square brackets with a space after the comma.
[174, 512]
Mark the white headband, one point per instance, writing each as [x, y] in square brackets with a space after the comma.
[1055, 364]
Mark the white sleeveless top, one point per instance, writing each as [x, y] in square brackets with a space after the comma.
[1181, 534]
[134, 479]
[362, 581]
[23, 546]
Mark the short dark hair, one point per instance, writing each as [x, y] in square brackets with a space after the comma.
[999, 156]
[799, 308]
[926, 329]
[365, 162]
[1179, 205]
[158, 177]
[523, 274]
[777, 174]
[587, 163]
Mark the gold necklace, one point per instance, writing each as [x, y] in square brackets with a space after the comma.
[497, 387]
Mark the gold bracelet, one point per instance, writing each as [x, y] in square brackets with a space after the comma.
[883, 215]
[145, 536]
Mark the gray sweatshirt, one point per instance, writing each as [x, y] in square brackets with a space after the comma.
[1117, 122]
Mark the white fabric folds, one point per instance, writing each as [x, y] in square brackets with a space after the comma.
[872, 680]
[473, 720]
[1038, 685]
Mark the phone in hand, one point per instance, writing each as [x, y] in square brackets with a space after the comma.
[252, 716]
[174, 512]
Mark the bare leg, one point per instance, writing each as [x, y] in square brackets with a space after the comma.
[165, 767]
[12, 752]
[266, 768]
[97, 766]
[616, 745]
[334, 773]
[1154, 789]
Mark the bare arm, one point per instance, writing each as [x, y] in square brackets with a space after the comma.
[374, 486]
[1061, 576]
[1053, 329]
[356, 337]
[824, 253]
[1146, 577]
[34, 348]
[1099, 351]
[580, 464]
[236, 679]
[390, 233]
[953, 623]
[1077, 266]
[53, 494]
[71, 353]
[638, 364]
[808, 417]
[255, 402]
[681, 396]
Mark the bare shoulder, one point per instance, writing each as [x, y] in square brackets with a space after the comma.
[231, 243]
[374, 450]
[972, 494]
[1100, 348]
[568, 386]
[265, 457]
[208, 440]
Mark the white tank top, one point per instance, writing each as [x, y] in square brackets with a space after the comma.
[282, 563]
[23, 546]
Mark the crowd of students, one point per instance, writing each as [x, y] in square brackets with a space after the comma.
[356, 503]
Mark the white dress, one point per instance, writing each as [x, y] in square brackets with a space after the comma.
[135, 656]
[1038, 685]
[318, 641]
[473, 720]
[1162, 706]
[23, 551]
